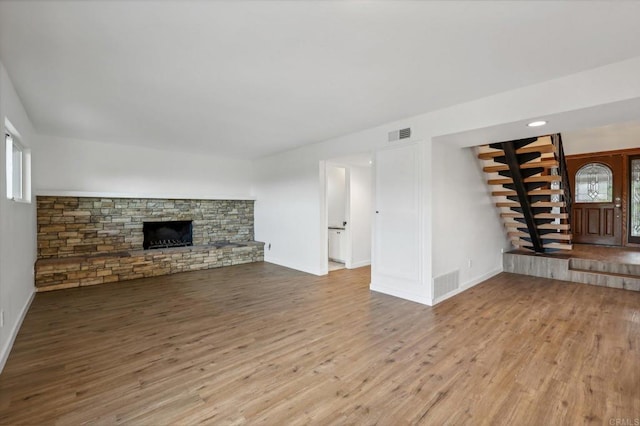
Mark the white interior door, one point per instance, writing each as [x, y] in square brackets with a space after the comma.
[396, 235]
[335, 252]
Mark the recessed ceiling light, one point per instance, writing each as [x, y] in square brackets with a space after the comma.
[537, 123]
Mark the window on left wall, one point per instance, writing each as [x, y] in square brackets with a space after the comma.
[17, 169]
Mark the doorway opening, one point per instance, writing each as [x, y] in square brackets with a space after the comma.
[348, 212]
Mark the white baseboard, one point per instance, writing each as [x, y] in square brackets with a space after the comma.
[360, 264]
[6, 350]
[399, 293]
[289, 265]
[467, 285]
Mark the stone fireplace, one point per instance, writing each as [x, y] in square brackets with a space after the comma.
[91, 240]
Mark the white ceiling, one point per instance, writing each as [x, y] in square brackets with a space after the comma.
[247, 79]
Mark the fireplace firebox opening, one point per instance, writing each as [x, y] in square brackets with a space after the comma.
[176, 233]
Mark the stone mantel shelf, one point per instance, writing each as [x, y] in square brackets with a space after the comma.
[61, 193]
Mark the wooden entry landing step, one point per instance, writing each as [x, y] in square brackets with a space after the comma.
[615, 267]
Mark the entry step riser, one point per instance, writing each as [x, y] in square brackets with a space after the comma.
[605, 280]
[558, 268]
[597, 266]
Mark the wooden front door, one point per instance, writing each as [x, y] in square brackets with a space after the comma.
[596, 185]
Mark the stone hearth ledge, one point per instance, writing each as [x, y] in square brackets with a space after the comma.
[79, 271]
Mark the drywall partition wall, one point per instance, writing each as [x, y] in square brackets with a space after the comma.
[17, 229]
[72, 167]
[360, 214]
[336, 196]
[288, 190]
[288, 208]
[467, 233]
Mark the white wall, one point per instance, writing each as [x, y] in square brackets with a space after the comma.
[17, 229]
[336, 196]
[604, 138]
[287, 211]
[466, 220]
[360, 214]
[65, 166]
[291, 180]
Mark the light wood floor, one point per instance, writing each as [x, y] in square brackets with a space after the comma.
[264, 344]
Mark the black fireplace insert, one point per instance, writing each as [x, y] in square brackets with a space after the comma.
[176, 233]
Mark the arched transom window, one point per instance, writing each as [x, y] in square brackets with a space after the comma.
[594, 184]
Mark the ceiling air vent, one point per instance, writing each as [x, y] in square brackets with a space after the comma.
[397, 135]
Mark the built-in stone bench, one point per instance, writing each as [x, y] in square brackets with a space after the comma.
[77, 271]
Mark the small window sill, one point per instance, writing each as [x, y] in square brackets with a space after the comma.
[20, 200]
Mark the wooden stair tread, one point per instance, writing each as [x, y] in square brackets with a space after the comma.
[509, 193]
[511, 214]
[537, 216]
[557, 236]
[543, 178]
[546, 192]
[559, 246]
[551, 236]
[531, 179]
[551, 216]
[500, 181]
[490, 154]
[517, 234]
[546, 164]
[543, 149]
[536, 204]
[557, 226]
[549, 204]
[505, 193]
[493, 169]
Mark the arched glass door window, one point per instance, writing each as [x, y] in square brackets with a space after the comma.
[594, 184]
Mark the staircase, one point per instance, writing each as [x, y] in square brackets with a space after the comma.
[531, 187]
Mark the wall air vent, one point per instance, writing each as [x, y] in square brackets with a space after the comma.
[446, 284]
[397, 135]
